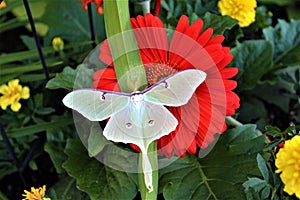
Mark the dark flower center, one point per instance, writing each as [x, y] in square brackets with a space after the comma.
[157, 71]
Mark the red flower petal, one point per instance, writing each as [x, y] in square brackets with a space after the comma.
[105, 79]
[205, 37]
[98, 4]
[157, 7]
[105, 55]
[152, 42]
[229, 72]
[216, 40]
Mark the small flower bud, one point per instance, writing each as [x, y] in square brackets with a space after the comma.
[2, 4]
[58, 44]
[280, 145]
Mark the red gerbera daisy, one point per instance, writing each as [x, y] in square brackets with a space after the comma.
[204, 115]
[98, 4]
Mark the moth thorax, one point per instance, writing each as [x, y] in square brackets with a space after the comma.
[137, 99]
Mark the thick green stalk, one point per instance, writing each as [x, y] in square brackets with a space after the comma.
[123, 46]
[154, 163]
[129, 70]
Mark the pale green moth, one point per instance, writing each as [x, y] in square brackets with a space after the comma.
[140, 117]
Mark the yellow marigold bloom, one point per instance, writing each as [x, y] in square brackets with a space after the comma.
[11, 95]
[58, 44]
[2, 4]
[241, 10]
[35, 194]
[288, 164]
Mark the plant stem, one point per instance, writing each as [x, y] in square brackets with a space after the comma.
[11, 152]
[128, 64]
[145, 6]
[130, 72]
[3, 197]
[9, 146]
[36, 38]
[90, 13]
[233, 121]
[68, 188]
[152, 149]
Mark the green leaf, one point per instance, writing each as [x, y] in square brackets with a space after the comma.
[12, 24]
[96, 141]
[263, 167]
[5, 78]
[18, 56]
[272, 94]
[256, 188]
[23, 55]
[44, 110]
[219, 175]
[263, 18]
[65, 79]
[29, 42]
[251, 109]
[245, 143]
[7, 165]
[97, 180]
[93, 60]
[12, 69]
[234, 35]
[72, 79]
[178, 10]
[253, 59]
[66, 189]
[278, 2]
[55, 151]
[293, 11]
[273, 131]
[70, 22]
[285, 40]
[253, 182]
[218, 23]
[289, 79]
[33, 77]
[44, 126]
[3, 197]
[37, 9]
[291, 130]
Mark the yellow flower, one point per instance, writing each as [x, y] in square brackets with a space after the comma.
[241, 10]
[11, 95]
[2, 4]
[288, 164]
[57, 44]
[35, 194]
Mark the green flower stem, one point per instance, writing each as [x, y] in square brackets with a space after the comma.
[129, 69]
[145, 6]
[233, 121]
[154, 164]
[128, 64]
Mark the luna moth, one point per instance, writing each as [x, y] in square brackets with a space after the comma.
[138, 117]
